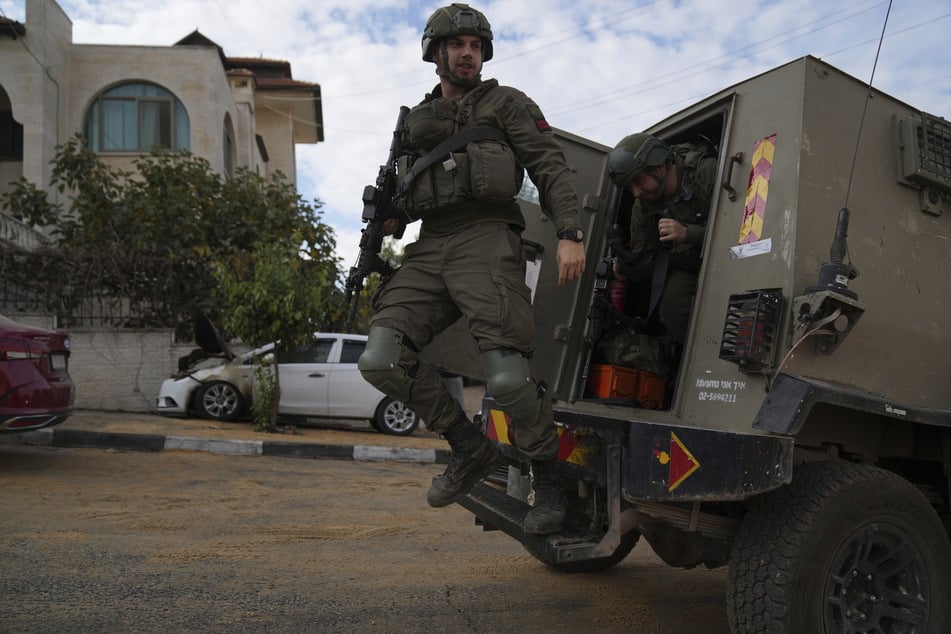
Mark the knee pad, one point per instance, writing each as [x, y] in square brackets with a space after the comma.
[380, 363]
[509, 382]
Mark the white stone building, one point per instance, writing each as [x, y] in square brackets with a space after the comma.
[232, 111]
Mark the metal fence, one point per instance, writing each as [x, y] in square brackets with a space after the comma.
[82, 289]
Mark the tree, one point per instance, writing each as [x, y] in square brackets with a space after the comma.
[273, 294]
[155, 236]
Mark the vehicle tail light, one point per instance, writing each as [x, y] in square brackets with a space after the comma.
[12, 349]
[15, 349]
[751, 328]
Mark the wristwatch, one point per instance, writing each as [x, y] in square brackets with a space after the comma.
[576, 235]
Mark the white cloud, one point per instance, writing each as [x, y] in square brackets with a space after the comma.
[598, 68]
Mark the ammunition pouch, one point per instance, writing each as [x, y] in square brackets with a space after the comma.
[429, 123]
[434, 187]
[494, 174]
[475, 164]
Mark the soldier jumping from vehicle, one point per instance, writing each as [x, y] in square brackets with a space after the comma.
[466, 147]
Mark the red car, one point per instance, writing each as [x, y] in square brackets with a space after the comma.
[35, 388]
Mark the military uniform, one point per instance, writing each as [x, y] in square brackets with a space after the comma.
[467, 146]
[690, 206]
[468, 259]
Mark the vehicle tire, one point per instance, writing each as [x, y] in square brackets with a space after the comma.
[393, 417]
[219, 400]
[628, 541]
[843, 548]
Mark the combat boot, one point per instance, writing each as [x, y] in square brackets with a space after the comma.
[473, 457]
[547, 514]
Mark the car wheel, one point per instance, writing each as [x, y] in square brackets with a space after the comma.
[843, 548]
[219, 401]
[393, 417]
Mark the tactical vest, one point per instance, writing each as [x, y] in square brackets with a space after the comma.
[470, 162]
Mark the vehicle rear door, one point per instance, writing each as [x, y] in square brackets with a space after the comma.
[561, 313]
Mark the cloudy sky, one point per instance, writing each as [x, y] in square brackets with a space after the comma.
[598, 68]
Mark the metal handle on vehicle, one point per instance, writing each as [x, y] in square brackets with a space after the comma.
[316, 375]
[727, 180]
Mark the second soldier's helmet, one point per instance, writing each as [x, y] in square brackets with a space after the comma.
[456, 19]
[633, 154]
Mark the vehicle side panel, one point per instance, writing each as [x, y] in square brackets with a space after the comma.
[305, 384]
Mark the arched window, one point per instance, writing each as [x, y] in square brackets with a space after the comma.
[11, 132]
[137, 117]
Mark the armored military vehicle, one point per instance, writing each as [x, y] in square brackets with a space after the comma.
[802, 433]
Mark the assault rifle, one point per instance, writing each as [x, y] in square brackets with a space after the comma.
[602, 313]
[378, 206]
[600, 309]
[598, 314]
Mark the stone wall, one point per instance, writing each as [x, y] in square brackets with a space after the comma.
[122, 370]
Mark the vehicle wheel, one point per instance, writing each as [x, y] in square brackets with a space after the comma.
[628, 541]
[843, 548]
[393, 417]
[219, 401]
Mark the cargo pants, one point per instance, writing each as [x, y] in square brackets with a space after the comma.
[477, 273]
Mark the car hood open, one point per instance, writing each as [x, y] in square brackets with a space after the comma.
[209, 339]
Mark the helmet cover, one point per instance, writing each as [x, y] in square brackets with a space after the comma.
[456, 19]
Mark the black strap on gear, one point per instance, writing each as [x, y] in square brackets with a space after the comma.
[625, 255]
[658, 279]
[453, 143]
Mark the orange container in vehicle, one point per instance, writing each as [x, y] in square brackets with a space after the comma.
[614, 381]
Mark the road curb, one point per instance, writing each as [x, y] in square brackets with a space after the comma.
[106, 440]
[215, 445]
[154, 442]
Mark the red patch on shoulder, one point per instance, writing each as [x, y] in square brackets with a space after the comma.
[542, 125]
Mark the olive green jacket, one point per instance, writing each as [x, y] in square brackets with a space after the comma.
[689, 204]
[479, 183]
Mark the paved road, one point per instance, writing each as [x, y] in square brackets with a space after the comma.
[95, 540]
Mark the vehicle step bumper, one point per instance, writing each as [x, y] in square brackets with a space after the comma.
[496, 510]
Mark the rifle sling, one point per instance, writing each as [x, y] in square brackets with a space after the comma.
[456, 141]
[658, 279]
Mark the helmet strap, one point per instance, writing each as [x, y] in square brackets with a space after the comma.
[442, 62]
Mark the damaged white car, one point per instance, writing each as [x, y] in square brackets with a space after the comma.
[318, 380]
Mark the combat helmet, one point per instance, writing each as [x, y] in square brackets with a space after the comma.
[456, 19]
[633, 154]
